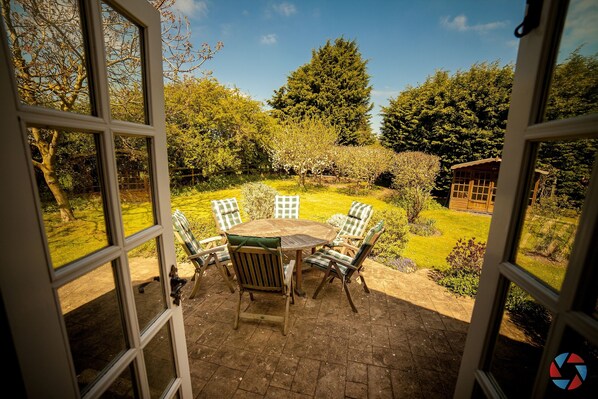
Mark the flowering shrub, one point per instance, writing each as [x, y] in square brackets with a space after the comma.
[258, 200]
[465, 265]
[404, 265]
[392, 242]
[467, 256]
[337, 220]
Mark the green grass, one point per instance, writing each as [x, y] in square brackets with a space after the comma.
[70, 241]
[431, 252]
[552, 273]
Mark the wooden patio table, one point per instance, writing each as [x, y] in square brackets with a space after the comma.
[296, 235]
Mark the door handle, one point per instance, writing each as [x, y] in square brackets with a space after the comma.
[531, 20]
[176, 285]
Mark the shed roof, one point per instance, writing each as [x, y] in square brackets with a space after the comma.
[472, 163]
[483, 161]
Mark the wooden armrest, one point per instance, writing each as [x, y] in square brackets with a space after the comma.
[211, 239]
[288, 275]
[351, 237]
[219, 248]
[346, 245]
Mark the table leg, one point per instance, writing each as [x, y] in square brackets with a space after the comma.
[299, 273]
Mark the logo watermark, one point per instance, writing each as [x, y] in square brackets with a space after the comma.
[556, 371]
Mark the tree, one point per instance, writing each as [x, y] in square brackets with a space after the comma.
[214, 128]
[460, 118]
[363, 163]
[414, 176]
[334, 85]
[47, 46]
[303, 146]
[573, 92]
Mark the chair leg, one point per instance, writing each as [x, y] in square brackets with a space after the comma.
[292, 292]
[346, 287]
[238, 312]
[286, 316]
[224, 272]
[198, 275]
[365, 286]
[321, 285]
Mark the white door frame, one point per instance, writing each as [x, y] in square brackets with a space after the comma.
[525, 128]
[28, 283]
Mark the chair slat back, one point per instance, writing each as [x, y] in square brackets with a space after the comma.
[286, 207]
[258, 268]
[226, 213]
[358, 217]
[185, 236]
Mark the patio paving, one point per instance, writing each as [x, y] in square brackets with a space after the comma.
[405, 342]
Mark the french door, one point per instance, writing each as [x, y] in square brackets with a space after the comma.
[87, 242]
[534, 328]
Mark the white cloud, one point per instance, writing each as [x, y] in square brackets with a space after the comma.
[285, 9]
[580, 29]
[191, 8]
[459, 23]
[269, 39]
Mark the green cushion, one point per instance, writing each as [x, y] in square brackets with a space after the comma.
[263, 242]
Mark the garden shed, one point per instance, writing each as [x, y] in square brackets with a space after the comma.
[474, 185]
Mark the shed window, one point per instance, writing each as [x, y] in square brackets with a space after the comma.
[481, 186]
[460, 184]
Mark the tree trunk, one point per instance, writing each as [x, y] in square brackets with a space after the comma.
[302, 179]
[46, 144]
[66, 212]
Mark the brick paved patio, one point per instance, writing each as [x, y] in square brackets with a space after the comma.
[405, 342]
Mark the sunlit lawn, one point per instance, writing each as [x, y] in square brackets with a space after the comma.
[70, 241]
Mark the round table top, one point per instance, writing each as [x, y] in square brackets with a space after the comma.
[296, 234]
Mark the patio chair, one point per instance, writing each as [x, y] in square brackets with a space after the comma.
[343, 267]
[201, 258]
[259, 268]
[226, 213]
[351, 232]
[286, 207]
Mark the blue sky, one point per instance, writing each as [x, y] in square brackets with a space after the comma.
[403, 41]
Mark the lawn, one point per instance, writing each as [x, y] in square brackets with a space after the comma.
[70, 241]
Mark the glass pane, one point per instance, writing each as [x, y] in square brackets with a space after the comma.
[69, 186]
[573, 372]
[123, 387]
[123, 58]
[159, 361]
[520, 342]
[133, 165]
[93, 320]
[557, 192]
[575, 78]
[48, 51]
[144, 265]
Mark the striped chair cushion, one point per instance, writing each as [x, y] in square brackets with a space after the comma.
[286, 207]
[191, 244]
[317, 259]
[226, 213]
[356, 222]
[184, 233]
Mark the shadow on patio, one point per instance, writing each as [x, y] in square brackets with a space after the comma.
[406, 340]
